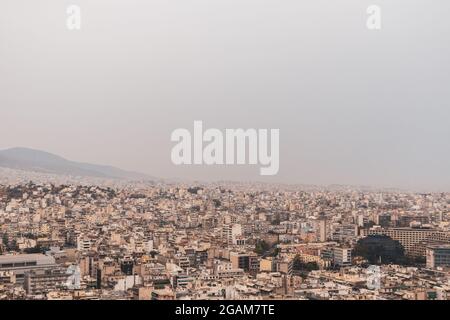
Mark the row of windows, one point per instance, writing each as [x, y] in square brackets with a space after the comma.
[18, 264]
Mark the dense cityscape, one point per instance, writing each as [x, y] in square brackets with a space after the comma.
[188, 241]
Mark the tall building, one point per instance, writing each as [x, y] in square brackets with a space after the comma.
[231, 233]
[181, 280]
[342, 256]
[43, 281]
[413, 240]
[84, 243]
[438, 256]
[345, 233]
[406, 220]
[127, 265]
[322, 230]
[383, 220]
[285, 266]
[249, 262]
[21, 263]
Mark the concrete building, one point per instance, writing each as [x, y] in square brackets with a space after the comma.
[231, 233]
[342, 256]
[322, 234]
[83, 243]
[414, 240]
[285, 266]
[43, 281]
[438, 256]
[21, 263]
[249, 262]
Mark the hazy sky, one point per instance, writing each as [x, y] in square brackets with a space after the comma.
[353, 106]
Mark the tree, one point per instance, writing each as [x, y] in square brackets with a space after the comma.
[261, 247]
[378, 249]
[297, 262]
[153, 253]
[36, 249]
[5, 239]
[217, 203]
[275, 251]
[299, 265]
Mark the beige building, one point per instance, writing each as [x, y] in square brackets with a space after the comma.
[414, 240]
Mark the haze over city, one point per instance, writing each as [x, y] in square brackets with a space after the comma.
[219, 157]
[353, 106]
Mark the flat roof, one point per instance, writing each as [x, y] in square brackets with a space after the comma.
[439, 246]
[33, 257]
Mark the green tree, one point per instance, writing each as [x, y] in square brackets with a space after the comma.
[261, 247]
[379, 249]
[298, 265]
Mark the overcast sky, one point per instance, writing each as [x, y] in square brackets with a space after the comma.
[353, 106]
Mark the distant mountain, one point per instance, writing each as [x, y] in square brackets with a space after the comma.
[41, 161]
